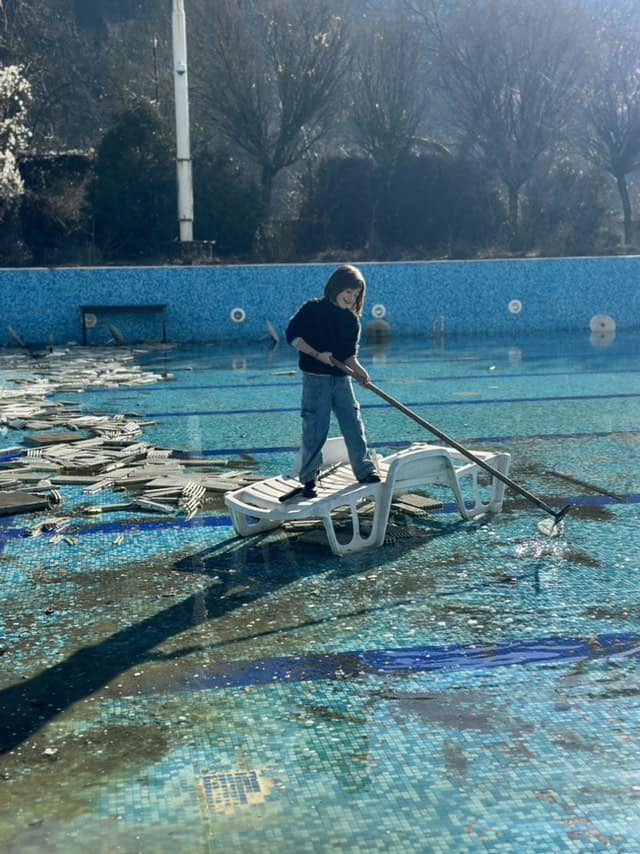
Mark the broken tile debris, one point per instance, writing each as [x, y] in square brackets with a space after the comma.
[98, 452]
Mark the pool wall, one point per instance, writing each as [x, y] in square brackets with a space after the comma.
[465, 297]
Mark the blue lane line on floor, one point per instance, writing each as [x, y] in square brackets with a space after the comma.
[171, 387]
[118, 527]
[423, 659]
[225, 521]
[420, 403]
[279, 449]
[575, 501]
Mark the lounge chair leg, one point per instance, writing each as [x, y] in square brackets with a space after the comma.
[246, 526]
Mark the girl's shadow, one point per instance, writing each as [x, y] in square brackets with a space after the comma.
[240, 572]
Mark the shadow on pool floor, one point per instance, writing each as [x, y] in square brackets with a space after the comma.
[237, 575]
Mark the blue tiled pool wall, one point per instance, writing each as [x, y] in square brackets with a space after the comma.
[466, 298]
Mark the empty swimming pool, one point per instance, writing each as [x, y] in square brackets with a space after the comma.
[469, 686]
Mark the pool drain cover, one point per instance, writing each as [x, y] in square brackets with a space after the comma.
[227, 791]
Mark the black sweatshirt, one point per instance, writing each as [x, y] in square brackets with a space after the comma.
[327, 328]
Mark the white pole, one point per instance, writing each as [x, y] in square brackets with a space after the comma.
[183, 148]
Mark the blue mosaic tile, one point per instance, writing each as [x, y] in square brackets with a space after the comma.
[467, 297]
[473, 688]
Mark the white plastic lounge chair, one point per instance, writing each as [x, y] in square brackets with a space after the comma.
[257, 507]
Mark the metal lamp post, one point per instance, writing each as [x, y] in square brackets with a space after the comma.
[183, 147]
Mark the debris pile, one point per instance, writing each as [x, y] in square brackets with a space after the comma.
[97, 452]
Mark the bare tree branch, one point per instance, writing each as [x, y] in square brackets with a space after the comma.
[611, 136]
[510, 73]
[391, 91]
[274, 75]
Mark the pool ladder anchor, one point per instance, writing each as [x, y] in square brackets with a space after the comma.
[438, 327]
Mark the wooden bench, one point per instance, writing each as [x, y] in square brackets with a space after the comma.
[96, 310]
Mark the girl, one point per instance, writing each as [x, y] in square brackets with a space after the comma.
[320, 329]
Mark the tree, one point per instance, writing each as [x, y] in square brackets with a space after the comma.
[611, 136]
[391, 91]
[438, 205]
[227, 204]
[15, 94]
[83, 60]
[133, 196]
[509, 74]
[275, 68]
[566, 210]
[337, 208]
[53, 213]
[390, 99]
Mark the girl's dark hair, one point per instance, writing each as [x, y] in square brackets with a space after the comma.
[343, 278]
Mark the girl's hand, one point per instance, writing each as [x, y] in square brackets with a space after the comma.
[325, 358]
[359, 373]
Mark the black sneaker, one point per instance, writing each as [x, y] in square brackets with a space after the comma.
[309, 490]
[370, 478]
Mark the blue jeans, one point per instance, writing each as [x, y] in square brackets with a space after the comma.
[323, 394]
